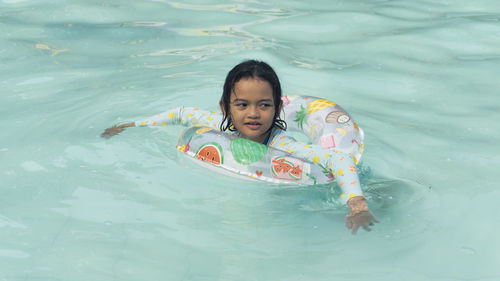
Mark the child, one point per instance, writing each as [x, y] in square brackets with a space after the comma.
[251, 105]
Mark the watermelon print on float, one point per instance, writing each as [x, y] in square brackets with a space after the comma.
[246, 151]
[211, 152]
[286, 168]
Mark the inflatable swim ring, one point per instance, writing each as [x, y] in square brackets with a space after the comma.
[322, 121]
[241, 157]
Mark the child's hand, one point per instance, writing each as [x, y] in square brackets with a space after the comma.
[109, 132]
[363, 218]
[360, 215]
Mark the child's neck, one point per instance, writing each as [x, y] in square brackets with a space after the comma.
[264, 141]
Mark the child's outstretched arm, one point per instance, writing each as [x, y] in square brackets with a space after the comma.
[186, 116]
[343, 168]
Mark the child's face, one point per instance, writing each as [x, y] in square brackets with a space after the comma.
[252, 108]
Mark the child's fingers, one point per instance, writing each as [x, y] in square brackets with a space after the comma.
[355, 229]
[348, 223]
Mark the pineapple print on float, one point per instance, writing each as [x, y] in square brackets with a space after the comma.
[311, 108]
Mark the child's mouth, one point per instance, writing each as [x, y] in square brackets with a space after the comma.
[253, 125]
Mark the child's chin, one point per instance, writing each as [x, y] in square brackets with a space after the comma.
[253, 137]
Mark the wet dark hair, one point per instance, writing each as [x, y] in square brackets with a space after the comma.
[257, 70]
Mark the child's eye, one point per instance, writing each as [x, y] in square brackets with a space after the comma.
[241, 105]
[265, 105]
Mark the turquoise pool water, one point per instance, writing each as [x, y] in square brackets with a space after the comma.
[420, 77]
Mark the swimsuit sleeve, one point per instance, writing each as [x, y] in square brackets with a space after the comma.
[187, 116]
[341, 165]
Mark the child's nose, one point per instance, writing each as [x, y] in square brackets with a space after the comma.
[254, 111]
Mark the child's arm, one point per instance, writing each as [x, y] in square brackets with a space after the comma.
[111, 131]
[186, 116]
[343, 168]
[340, 164]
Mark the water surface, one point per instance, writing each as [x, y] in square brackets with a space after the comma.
[420, 77]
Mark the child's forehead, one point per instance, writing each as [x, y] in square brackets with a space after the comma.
[251, 97]
[252, 89]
